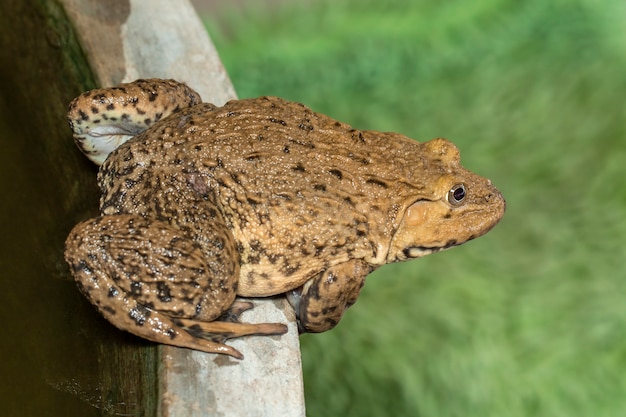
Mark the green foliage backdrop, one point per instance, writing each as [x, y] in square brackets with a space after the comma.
[529, 320]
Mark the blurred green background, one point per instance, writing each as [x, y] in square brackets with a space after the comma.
[529, 320]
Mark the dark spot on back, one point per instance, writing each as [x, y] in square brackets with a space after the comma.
[336, 173]
[130, 183]
[236, 177]
[164, 292]
[357, 135]
[291, 269]
[377, 182]
[306, 144]
[283, 196]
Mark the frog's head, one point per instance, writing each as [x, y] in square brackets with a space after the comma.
[456, 206]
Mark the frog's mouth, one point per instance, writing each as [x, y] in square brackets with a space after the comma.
[413, 252]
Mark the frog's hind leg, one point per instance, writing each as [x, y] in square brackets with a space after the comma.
[188, 333]
[153, 325]
[149, 278]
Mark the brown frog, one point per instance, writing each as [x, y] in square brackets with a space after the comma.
[256, 198]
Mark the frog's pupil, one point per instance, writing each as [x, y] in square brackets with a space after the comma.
[459, 193]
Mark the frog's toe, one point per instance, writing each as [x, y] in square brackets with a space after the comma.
[220, 331]
[235, 310]
[185, 338]
[210, 346]
[214, 333]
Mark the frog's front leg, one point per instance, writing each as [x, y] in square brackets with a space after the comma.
[149, 278]
[322, 300]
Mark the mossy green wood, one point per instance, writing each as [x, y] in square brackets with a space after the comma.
[60, 357]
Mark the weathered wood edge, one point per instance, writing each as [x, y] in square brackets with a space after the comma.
[124, 41]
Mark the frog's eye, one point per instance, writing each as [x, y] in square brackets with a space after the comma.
[457, 194]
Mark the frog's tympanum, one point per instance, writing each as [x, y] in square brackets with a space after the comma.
[259, 197]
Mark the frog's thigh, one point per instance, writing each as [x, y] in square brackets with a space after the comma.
[150, 279]
[324, 298]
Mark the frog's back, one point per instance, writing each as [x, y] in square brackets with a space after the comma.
[272, 144]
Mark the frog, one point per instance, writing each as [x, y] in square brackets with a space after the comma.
[204, 208]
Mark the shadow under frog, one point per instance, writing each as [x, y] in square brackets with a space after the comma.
[256, 198]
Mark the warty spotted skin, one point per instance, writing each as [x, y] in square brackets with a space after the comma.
[256, 198]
